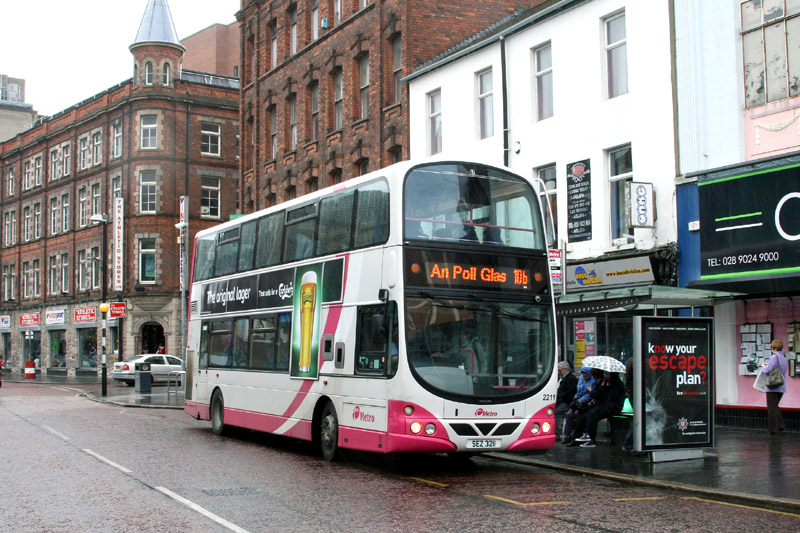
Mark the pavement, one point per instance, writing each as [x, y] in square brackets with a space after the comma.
[745, 467]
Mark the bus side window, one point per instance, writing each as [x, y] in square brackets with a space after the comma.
[371, 351]
[335, 223]
[372, 214]
[270, 237]
[262, 344]
[219, 344]
[203, 362]
[284, 338]
[241, 337]
[247, 246]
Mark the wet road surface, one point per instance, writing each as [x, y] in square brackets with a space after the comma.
[72, 464]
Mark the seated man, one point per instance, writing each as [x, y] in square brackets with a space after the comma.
[567, 387]
[608, 398]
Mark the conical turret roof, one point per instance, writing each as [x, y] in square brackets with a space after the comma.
[157, 25]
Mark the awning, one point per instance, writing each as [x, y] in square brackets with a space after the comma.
[641, 297]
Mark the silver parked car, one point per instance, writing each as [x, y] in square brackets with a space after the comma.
[160, 367]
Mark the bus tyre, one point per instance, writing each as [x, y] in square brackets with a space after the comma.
[217, 413]
[329, 432]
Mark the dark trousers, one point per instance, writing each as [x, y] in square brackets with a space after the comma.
[775, 421]
[596, 414]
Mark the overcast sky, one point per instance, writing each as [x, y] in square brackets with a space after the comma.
[67, 51]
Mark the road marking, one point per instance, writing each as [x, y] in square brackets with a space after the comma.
[428, 481]
[506, 500]
[637, 499]
[741, 506]
[109, 462]
[56, 433]
[69, 389]
[208, 514]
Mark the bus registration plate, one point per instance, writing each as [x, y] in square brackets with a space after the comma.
[483, 443]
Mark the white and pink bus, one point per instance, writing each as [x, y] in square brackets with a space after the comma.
[407, 310]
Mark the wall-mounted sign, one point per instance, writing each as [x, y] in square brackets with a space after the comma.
[750, 225]
[579, 201]
[117, 310]
[641, 207]
[119, 229]
[604, 274]
[29, 319]
[85, 314]
[55, 316]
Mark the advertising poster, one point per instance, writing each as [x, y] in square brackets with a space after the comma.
[584, 340]
[579, 201]
[308, 291]
[674, 383]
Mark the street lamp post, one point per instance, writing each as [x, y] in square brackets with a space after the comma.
[103, 219]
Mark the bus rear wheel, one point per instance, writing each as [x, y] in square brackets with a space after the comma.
[217, 413]
[329, 432]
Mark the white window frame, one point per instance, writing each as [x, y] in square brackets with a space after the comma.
[81, 271]
[55, 169]
[97, 148]
[548, 175]
[616, 66]
[484, 81]
[148, 192]
[65, 159]
[65, 272]
[293, 31]
[397, 69]
[165, 75]
[52, 278]
[617, 190]
[143, 253]
[149, 131]
[314, 97]
[292, 123]
[116, 150]
[10, 182]
[435, 126]
[83, 207]
[96, 268]
[27, 224]
[210, 137]
[210, 197]
[37, 220]
[148, 73]
[273, 132]
[55, 210]
[96, 200]
[36, 278]
[37, 171]
[314, 20]
[338, 100]
[273, 46]
[543, 81]
[83, 152]
[363, 86]
[27, 176]
[65, 214]
[26, 282]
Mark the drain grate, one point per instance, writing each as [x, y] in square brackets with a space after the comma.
[233, 491]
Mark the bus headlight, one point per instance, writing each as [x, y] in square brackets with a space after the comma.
[416, 427]
[430, 428]
[546, 427]
[535, 428]
[549, 411]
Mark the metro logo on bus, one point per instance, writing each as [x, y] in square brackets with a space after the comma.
[484, 412]
[364, 416]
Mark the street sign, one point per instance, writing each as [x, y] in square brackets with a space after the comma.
[117, 310]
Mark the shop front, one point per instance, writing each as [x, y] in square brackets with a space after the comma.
[745, 237]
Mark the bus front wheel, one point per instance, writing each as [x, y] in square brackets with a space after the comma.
[329, 432]
[217, 413]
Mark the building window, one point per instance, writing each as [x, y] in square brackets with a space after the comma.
[9, 282]
[52, 278]
[485, 104]
[65, 212]
[82, 271]
[117, 133]
[26, 280]
[95, 266]
[10, 182]
[26, 223]
[543, 67]
[620, 173]
[149, 131]
[148, 73]
[36, 289]
[293, 31]
[37, 171]
[165, 75]
[616, 56]
[549, 202]
[116, 187]
[273, 44]
[770, 29]
[209, 197]
[27, 176]
[397, 70]
[362, 4]
[147, 261]
[337, 12]
[314, 94]
[434, 122]
[209, 139]
[37, 220]
[54, 212]
[336, 176]
[83, 153]
[338, 105]
[97, 148]
[83, 207]
[10, 227]
[55, 170]
[292, 123]
[96, 203]
[65, 160]
[64, 272]
[147, 191]
[363, 83]
[273, 132]
[314, 20]
[312, 185]
[362, 167]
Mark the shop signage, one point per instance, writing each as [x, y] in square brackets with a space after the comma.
[641, 204]
[29, 319]
[119, 229]
[579, 201]
[554, 257]
[85, 314]
[117, 310]
[5, 321]
[55, 316]
[674, 383]
[750, 224]
[605, 274]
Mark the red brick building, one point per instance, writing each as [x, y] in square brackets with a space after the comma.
[111, 170]
[322, 97]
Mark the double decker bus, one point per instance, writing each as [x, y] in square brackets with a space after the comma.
[407, 310]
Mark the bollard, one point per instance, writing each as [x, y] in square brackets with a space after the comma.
[30, 370]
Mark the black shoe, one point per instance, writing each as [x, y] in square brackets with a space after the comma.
[566, 441]
[573, 444]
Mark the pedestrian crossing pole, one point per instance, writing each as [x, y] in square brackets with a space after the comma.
[104, 375]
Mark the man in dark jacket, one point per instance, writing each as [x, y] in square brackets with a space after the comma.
[567, 386]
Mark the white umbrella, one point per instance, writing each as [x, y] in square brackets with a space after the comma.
[604, 362]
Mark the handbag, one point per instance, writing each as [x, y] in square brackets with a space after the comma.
[775, 378]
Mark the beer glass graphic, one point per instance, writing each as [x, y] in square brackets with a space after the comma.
[308, 302]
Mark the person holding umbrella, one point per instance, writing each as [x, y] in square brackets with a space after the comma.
[608, 397]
